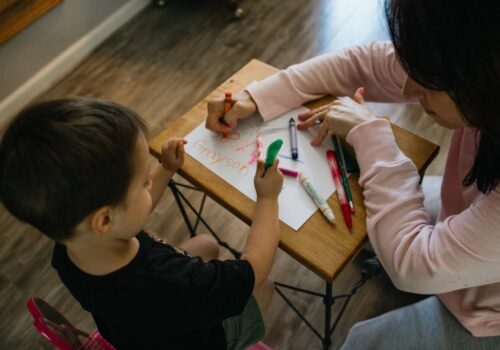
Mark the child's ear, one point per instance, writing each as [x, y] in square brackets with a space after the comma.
[100, 221]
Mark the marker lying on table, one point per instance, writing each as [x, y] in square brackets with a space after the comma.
[293, 139]
[318, 200]
[272, 152]
[260, 147]
[227, 107]
[343, 169]
[334, 167]
[289, 172]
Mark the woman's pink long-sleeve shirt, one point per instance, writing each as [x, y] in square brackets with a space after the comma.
[458, 258]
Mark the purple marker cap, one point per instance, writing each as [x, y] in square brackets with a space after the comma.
[289, 172]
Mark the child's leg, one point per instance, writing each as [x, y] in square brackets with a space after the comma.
[202, 245]
[263, 294]
[247, 328]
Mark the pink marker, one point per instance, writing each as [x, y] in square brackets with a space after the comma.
[289, 172]
[260, 147]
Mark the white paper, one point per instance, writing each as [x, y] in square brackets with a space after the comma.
[234, 159]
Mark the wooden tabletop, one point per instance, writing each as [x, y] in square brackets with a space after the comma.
[322, 247]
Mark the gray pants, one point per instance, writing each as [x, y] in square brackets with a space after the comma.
[424, 325]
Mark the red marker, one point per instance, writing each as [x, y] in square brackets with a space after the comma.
[227, 107]
[344, 204]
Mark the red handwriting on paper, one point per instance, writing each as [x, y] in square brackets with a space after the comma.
[253, 158]
[216, 157]
[244, 147]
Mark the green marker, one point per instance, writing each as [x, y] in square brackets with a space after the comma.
[272, 152]
[338, 149]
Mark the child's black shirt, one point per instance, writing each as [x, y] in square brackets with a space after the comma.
[162, 299]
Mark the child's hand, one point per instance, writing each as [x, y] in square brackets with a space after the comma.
[268, 183]
[172, 153]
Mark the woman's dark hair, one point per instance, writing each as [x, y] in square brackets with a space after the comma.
[60, 160]
[454, 46]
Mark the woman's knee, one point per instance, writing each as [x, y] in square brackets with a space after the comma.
[363, 335]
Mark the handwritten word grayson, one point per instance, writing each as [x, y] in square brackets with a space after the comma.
[217, 157]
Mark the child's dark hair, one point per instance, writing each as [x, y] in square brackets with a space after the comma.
[60, 160]
[454, 46]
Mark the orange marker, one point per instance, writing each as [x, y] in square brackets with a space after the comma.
[227, 106]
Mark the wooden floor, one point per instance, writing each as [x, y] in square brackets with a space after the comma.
[160, 64]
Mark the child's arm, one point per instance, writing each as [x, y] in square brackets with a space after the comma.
[160, 178]
[172, 158]
[264, 234]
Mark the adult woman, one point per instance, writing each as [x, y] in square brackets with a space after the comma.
[446, 55]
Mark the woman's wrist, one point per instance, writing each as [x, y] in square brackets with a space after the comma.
[245, 98]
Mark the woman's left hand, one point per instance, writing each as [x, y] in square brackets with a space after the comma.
[339, 117]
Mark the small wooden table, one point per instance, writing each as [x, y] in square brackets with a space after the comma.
[321, 247]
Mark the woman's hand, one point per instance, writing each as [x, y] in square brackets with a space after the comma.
[338, 117]
[242, 107]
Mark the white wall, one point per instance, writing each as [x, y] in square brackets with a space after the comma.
[54, 44]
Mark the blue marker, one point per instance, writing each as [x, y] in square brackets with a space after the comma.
[293, 139]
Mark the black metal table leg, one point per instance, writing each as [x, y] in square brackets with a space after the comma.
[181, 199]
[175, 191]
[328, 300]
[371, 267]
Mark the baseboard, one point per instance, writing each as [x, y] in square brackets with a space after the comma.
[67, 60]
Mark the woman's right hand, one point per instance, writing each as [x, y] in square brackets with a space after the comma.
[242, 107]
[268, 183]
